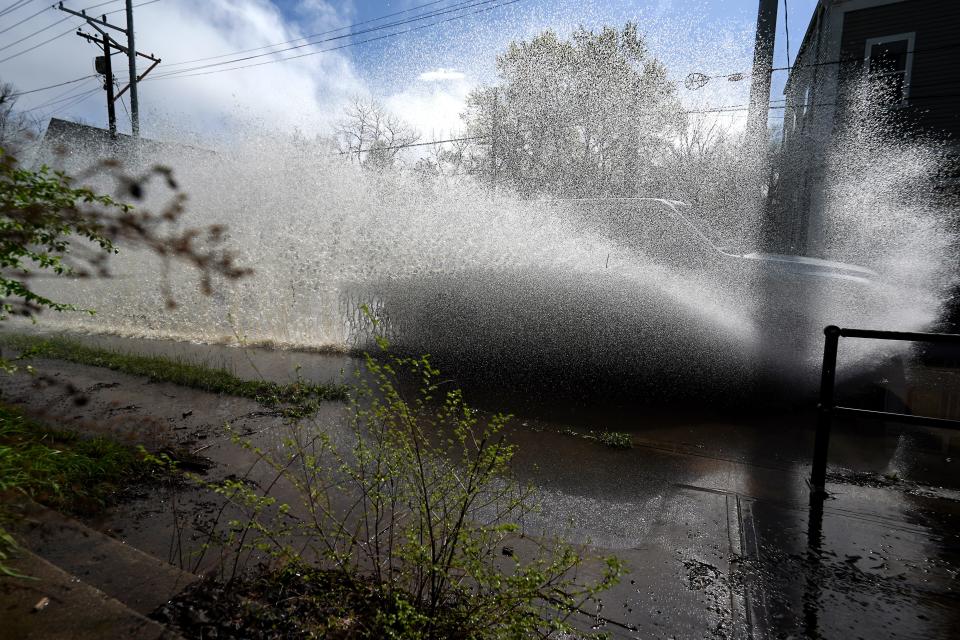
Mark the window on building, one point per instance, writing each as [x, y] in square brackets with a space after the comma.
[889, 62]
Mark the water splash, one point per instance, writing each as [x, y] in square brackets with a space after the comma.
[528, 294]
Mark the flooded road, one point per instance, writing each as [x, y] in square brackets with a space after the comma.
[708, 510]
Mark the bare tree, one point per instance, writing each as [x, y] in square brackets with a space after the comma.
[709, 166]
[17, 130]
[445, 161]
[372, 134]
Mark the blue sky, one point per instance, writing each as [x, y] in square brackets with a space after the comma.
[422, 75]
[707, 15]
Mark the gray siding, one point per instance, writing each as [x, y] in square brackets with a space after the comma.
[934, 101]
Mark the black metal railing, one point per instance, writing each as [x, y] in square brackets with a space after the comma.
[828, 408]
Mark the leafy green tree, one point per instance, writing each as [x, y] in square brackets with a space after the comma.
[369, 132]
[586, 116]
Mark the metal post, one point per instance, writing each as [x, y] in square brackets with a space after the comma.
[818, 475]
[108, 85]
[762, 70]
[132, 63]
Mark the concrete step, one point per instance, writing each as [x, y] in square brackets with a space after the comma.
[52, 604]
[132, 577]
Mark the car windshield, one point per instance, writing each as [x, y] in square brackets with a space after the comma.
[650, 227]
[729, 237]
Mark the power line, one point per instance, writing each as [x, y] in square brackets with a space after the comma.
[743, 107]
[79, 99]
[855, 59]
[56, 98]
[61, 97]
[19, 4]
[186, 72]
[37, 46]
[835, 103]
[102, 4]
[73, 93]
[54, 86]
[123, 104]
[315, 35]
[459, 7]
[37, 32]
[110, 13]
[49, 26]
[467, 4]
[409, 144]
[698, 80]
[30, 17]
[69, 104]
[729, 109]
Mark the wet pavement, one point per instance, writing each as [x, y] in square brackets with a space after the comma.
[709, 511]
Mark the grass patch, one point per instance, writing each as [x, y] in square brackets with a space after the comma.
[297, 399]
[612, 439]
[61, 469]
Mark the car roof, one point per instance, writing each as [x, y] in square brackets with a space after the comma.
[676, 203]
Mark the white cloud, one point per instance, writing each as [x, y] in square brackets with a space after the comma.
[306, 93]
[441, 75]
[435, 108]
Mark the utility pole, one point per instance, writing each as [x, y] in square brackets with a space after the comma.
[132, 64]
[109, 46]
[107, 70]
[493, 140]
[762, 70]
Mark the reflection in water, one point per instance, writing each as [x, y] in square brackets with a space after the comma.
[867, 563]
[811, 596]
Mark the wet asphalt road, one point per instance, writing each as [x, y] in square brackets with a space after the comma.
[710, 513]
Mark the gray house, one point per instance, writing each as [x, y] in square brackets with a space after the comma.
[76, 147]
[894, 59]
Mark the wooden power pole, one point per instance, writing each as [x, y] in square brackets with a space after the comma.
[493, 139]
[107, 70]
[762, 71]
[132, 64]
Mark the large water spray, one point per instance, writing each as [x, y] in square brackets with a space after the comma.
[513, 290]
[649, 297]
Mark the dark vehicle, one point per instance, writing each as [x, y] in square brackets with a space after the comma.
[662, 231]
[660, 308]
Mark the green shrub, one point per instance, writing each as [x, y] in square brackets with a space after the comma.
[419, 499]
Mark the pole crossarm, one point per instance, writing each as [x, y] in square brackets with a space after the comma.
[91, 19]
[140, 77]
[122, 49]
